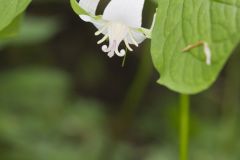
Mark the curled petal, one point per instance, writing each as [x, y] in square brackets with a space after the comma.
[98, 23]
[89, 5]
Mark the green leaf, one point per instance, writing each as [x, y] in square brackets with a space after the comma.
[35, 30]
[184, 22]
[10, 9]
[12, 29]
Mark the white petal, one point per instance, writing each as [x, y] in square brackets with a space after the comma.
[98, 23]
[86, 18]
[89, 5]
[128, 12]
[138, 36]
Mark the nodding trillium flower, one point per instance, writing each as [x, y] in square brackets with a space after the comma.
[120, 22]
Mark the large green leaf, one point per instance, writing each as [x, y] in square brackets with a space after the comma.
[183, 22]
[9, 10]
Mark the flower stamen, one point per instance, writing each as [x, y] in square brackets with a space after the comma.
[127, 45]
[132, 39]
[103, 39]
[116, 33]
[101, 30]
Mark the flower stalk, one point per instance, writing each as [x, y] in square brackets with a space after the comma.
[184, 126]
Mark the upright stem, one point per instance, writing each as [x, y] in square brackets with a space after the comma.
[184, 126]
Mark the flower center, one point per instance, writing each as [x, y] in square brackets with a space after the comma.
[116, 33]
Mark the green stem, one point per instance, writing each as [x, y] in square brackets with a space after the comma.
[136, 91]
[184, 126]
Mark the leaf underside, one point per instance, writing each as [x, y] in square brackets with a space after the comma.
[184, 22]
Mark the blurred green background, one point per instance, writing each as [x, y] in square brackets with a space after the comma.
[61, 98]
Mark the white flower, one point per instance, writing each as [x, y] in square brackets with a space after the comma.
[120, 22]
